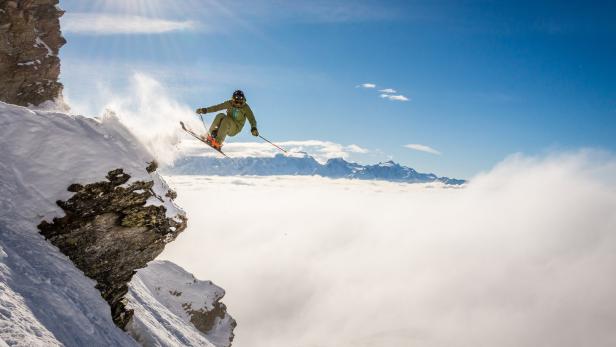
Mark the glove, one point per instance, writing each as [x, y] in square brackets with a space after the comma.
[202, 110]
[254, 131]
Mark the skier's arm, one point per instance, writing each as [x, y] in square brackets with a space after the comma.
[251, 117]
[225, 105]
[253, 121]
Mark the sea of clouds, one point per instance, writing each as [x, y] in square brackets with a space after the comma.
[525, 255]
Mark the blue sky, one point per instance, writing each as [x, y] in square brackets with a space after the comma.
[483, 79]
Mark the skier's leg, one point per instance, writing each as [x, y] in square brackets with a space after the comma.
[216, 123]
[223, 129]
[227, 127]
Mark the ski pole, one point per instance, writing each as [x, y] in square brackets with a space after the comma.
[273, 144]
[202, 121]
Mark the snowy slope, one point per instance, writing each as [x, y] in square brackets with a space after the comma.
[44, 299]
[162, 295]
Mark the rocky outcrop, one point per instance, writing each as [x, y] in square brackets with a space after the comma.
[30, 39]
[111, 228]
[204, 319]
[163, 292]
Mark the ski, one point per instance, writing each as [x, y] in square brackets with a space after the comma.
[195, 135]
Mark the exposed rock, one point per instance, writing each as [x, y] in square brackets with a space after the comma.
[204, 319]
[152, 166]
[171, 194]
[109, 231]
[30, 40]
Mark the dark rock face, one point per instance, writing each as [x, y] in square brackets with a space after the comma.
[109, 232]
[30, 40]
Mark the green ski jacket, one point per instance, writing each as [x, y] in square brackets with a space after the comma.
[237, 114]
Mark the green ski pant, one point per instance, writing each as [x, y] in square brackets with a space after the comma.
[225, 126]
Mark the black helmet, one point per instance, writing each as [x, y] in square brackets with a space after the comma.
[238, 95]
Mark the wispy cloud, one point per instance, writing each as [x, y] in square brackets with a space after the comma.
[391, 97]
[388, 91]
[366, 85]
[356, 149]
[313, 12]
[422, 148]
[113, 24]
[335, 11]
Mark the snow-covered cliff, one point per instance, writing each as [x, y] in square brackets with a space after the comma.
[90, 187]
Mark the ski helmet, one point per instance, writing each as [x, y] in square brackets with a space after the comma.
[238, 95]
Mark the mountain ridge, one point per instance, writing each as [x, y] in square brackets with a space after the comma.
[303, 166]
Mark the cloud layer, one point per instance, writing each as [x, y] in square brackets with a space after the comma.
[524, 256]
[113, 24]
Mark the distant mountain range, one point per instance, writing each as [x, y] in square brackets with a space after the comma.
[303, 166]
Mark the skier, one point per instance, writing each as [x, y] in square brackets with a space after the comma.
[230, 123]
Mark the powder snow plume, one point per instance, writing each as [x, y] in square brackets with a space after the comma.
[152, 115]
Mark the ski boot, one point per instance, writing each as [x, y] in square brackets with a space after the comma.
[212, 142]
